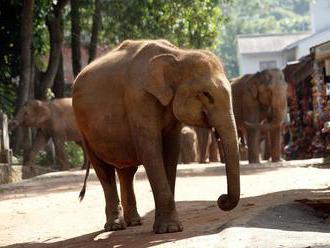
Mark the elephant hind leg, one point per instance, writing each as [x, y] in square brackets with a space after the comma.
[126, 177]
[213, 150]
[113, 209]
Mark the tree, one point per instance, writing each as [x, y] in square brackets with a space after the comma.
[10, 53]
[75, 37]
[97, 19]
[185, 23]
[55, 29]
[59, 82]
[26, 53]
[25, 68]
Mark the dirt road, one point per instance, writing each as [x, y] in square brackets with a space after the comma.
[45, 211]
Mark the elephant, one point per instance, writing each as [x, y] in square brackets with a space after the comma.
[260, 104]
[188, 149]
[130, 105]
[207, 146]
[54, 120]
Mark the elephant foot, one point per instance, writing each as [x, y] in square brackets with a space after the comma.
[64, 167]
[167, 224]
[115, 225]
[254, 161]
[133, 220]
[277, 160]
[168, 227]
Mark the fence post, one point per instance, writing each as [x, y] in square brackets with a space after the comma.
[5, 151]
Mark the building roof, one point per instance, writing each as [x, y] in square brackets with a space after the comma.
[267, 43]
[310, 37]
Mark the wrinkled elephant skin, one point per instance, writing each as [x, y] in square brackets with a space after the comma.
[260, 104]
[129, 106]
[54, 120]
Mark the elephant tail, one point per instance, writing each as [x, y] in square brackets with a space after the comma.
[83, 190]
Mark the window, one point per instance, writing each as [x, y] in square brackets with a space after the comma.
[270, 64]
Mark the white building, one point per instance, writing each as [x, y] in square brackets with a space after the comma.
[258, 52]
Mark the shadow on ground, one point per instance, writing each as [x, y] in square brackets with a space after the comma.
[73, 180]
[200, 218]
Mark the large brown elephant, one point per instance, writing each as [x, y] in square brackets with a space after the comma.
[54, 120]
[207, 146]
[260, 102]
[129, 106]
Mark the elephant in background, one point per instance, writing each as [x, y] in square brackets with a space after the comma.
[130, 105]
[260, 103]
[188, 149]
[207, 146]
[54, 120]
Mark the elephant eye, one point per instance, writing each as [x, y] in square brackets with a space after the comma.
[208, 96]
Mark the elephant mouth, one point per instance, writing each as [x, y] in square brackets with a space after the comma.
[205, 119]
[216, 134]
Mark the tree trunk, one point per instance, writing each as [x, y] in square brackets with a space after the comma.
[59, 83]
[26, 52]
[54, 23]
[97, 20]
[75, 37]
[26, 67]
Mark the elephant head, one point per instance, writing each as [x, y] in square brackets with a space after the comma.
[34, 113]
[194, 84]
[269, 88]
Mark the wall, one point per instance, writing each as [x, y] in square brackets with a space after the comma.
[249, 63]
[320, 12]
[16, 173]
[304, 45]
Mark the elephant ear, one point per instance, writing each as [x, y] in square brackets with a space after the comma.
[253, 85]
[161, 68]
[42, 113]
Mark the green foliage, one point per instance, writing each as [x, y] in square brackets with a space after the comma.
[49, 94]
[7, 98]
[44, 159]
[74, 154]
[257, 17]
[185, 23]
[9, 54]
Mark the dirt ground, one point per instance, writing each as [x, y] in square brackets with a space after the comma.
[45, 211]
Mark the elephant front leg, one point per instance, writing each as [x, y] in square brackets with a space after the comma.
[171, 149]
[60, 157]
[149, 147]
[267, 154]
[275, 138]
[203, 139]
[126, 177]
[253, 137]
[39, 143]
[214, 151]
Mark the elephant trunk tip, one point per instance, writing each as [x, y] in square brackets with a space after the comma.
[227, 203]
[12, 125]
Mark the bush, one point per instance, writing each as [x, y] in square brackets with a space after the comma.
[74, 154]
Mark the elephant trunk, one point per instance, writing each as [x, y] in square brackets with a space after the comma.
[278, 117]
[16, 122]
[229, 142]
